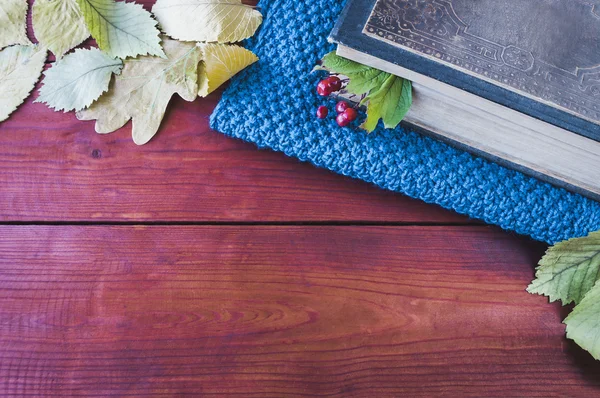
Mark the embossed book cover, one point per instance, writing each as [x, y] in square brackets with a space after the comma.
[516, 81]
[541, 57]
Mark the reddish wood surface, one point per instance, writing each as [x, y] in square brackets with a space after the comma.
[431, 305]
[56, 168]
[279, 312]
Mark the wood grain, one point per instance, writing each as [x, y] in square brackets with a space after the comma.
[279, 311]
[252, 311]
[56, 168]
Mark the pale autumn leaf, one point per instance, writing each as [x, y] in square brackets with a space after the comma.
[220, 63]
[221, 21]
[59, 25]
[20, 69]
[143, 90]
[78, 80]
[569, 269]
[583, 323]
[13, 14]
[121, 29]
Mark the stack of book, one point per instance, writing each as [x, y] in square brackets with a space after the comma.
[516, 81]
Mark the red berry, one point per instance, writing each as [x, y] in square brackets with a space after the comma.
[351, 114]
[342, 120]
[341, 106]
[323, 88]
[335, 83]
[322, 112]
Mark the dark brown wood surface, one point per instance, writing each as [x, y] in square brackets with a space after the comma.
[199, 265]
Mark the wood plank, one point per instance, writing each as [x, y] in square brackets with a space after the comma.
[56, 168]
[279, 311]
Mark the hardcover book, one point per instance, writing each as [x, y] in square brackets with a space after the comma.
[517, 81]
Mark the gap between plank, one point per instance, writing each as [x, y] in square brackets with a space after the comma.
[248, 223]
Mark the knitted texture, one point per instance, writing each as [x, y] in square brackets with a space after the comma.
[273, 103]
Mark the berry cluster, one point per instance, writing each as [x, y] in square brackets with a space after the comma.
[329, 86]
[345, 114]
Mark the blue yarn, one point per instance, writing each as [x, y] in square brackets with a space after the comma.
[273, 103]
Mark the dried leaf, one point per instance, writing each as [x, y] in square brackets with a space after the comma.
[121, 29]
[20, 69]
[220, 63]
[13, 28]
[143, 90]
[78, 80]
[59, 25]
[222, 21]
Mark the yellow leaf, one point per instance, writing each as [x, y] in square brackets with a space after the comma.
[143, 90]
[220, 63]
[20, 69]
[13, 23]
[121, 29]
[59, 25]
[221, 21]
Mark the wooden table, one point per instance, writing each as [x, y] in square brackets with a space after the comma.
[200, 265]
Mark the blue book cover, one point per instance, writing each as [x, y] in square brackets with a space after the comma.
[539, 57]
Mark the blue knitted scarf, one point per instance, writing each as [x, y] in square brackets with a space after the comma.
[273, 103]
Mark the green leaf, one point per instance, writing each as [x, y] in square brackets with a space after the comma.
[59, 25]
[583, 323]
[365, 81]
[78, 80]
[20, 69]
[334, 63]
[221, 21]
[13, 28]
[569, 269]
[363, 78]
[388, 97]
[121, 29]
[143, 90]
[390, 103]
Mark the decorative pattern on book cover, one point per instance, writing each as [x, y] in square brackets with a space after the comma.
[547, 50]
